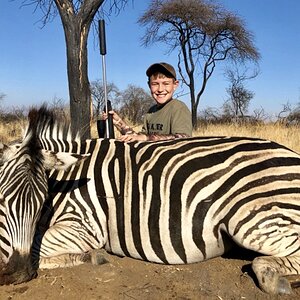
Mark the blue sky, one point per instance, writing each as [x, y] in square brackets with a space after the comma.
[33, 59]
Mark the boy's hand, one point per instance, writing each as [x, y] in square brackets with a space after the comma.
[116, 119]
[128, 138]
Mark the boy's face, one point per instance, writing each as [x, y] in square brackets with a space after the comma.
[162, 88]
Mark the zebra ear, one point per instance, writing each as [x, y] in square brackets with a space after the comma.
[2, 148]
[61, 160]
[6, 152]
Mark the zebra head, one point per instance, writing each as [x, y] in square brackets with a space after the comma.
[23, 191]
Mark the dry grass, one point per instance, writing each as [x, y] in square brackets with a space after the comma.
[10, 131]
[288, 136]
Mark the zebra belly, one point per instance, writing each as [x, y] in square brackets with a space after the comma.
[163, 249]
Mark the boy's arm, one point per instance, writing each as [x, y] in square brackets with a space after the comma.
[162, 137]
[181, 120]
[118, 122]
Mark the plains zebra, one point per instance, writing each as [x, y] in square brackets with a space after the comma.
[174, 202]
[23, 190]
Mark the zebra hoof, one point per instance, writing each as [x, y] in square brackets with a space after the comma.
[269, 279]
[283, 286]
[98, 257]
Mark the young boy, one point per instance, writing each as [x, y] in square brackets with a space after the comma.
[168, 119]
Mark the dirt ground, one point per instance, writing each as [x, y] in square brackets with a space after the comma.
[221, 278]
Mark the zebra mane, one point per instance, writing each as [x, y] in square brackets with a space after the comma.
[46, 126]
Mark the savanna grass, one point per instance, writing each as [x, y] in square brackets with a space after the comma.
[287, 136]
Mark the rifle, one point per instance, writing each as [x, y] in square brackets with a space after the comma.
[105, 127]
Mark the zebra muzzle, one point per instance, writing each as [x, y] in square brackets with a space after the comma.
[18, 269]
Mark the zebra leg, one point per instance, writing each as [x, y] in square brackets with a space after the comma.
[95, 256]
[67, 244]
[273, 273]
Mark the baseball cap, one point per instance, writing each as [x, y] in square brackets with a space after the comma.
[163, 68]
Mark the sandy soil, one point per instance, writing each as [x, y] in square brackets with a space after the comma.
[224, 278]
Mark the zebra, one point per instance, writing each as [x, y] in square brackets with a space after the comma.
[173, 202]
[23, 190]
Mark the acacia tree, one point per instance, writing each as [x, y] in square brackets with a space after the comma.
[203, 33]
[77, 17]
[2, 96]
[134, 103]
[239, 96]
[98, 96]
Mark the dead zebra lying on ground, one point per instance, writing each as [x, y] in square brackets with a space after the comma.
[167, 202]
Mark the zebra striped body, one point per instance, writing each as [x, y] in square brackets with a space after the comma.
[168, 202]
[172, 202]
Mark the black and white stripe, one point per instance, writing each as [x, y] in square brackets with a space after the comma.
[23, 191]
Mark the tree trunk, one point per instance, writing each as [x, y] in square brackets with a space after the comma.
[194, 114]
[79, 87]
[76, 23]
[194, 105]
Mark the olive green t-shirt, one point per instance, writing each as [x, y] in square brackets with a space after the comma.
[173, 117]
